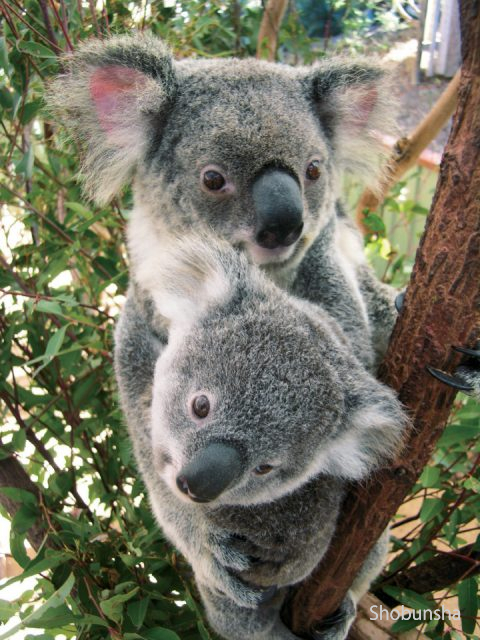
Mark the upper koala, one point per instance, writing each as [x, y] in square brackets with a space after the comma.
[253, 424]
[251, 150]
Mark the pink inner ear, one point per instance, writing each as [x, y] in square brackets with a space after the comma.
[113, 91]
[362, 106]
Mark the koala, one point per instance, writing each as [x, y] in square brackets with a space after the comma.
[249, 149]
[253, 426]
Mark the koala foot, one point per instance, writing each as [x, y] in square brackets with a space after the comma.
[337, 625]
[467, 376]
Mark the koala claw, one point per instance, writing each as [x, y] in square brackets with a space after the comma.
[267, 594]
[474, 353]
[452, 381]
[399, 300]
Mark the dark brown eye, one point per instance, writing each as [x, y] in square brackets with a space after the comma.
[313, 170]
[201, 406]
[262, 469]
[213, 180]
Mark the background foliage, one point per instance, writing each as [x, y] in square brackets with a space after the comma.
[103, 568]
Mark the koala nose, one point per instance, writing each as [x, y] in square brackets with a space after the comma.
[278, 206]
[210, 473]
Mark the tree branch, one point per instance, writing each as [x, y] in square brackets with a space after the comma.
[269, 28]
[437, 573]
[441, 309]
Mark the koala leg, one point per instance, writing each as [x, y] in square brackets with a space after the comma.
[337, 625]
[239, 623]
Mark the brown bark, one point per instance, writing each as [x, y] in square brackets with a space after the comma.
[407, 151]
[441, 309]
[269, 28]
[12, 474]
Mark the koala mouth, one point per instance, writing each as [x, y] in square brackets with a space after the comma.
[261, 255]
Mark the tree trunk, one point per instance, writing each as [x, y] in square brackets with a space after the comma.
[441, 309]
[269, 28]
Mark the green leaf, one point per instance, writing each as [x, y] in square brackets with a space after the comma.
[24, 518]
[53, 618]
[4, 64]
[35, 49]
[473, 484]
[25, 165]
[55, 600]
[49, 306]
[159, 633]
[113, 607]
[79, 208]
[431, 507]
[430, 477]
[409, 598]
[55, 342]
[401, 625]
[457, 434]
[20, 495]
[30, 110]
[19, 439]
[7, 610]
[36, 566]
[468, 602]
[137, 610]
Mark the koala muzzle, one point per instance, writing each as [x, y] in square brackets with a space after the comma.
[278, 206]
[210, 472]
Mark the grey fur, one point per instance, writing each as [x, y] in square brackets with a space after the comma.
[169, 120]
[286, 390]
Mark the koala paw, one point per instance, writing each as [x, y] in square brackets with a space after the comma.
[216, 576]
[467, 376]
[336, 625]
[222, 546]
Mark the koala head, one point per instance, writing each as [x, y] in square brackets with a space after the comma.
[250, 149]
[249, 403]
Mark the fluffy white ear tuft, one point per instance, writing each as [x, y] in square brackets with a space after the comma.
[110, 97]
[373, 436]
[354, 103]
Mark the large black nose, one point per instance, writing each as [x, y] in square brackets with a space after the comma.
[212, 471]
[278, 206]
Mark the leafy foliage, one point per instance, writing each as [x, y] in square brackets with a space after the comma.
[103, 568]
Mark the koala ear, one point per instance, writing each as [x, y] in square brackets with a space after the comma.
[191, 274]
[373, 432]
[113, 98]
[353, 102]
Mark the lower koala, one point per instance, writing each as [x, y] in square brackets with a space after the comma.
[247, 423]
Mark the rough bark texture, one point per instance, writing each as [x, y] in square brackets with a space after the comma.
[269, 27]
[441, 309]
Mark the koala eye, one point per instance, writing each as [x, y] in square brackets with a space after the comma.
[213, 180]
[262, 469]
[313, 170]
[201, 406]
